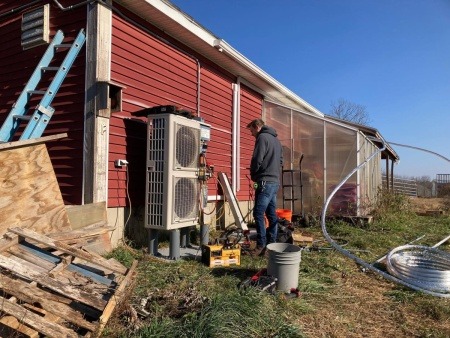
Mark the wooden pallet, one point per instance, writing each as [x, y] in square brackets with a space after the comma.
[52, 289]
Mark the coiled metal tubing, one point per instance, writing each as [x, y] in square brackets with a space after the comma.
[405, 274]
[422, 266]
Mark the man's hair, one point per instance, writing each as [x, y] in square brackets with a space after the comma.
[255, 123]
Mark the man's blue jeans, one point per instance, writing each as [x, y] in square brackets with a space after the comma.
[265, 203]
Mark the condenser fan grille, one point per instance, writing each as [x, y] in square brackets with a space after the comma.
[185, 203]
[187, 146]
[172, 188]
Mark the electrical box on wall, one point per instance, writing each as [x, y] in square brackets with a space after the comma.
[172, 187]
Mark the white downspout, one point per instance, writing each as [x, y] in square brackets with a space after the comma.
[235, 172]
[360, 158]
[325, 162]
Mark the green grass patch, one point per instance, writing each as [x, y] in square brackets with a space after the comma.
[185, 298]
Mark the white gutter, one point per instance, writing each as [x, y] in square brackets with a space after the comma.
[183, 19]
[224, 47]
[183, 22]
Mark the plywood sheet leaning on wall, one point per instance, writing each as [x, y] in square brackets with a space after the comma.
[29, 192]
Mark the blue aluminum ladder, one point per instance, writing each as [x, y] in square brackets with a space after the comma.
[43, 111]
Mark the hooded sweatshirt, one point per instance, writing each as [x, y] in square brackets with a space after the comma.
[267, 156]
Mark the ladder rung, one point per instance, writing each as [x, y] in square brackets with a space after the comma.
[50, 68]
[22, 117]
[63, 45]
[291, 199]
[288, 186]
[40, 118]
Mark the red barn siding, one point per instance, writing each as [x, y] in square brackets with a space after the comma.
[155, 73]
[251, 108]
[217, 109]
[17, 65]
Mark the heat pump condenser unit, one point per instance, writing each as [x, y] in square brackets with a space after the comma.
[172, 192]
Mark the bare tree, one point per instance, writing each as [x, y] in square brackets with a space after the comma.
[349, 111]
[423, 179]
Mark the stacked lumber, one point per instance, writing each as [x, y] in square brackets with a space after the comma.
[53, 280]
[55, 289]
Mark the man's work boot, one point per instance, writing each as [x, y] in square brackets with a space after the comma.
[258, 251]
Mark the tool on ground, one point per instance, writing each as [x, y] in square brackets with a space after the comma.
[218, 255]
[261, 281]
[225, 251]
[294, 293]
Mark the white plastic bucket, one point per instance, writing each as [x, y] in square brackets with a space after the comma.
[284, 264]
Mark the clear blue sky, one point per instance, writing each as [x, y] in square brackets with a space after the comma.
[391, 56]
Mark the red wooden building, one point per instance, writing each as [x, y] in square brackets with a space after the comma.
[138, 54]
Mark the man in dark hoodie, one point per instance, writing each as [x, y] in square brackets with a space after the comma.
[265, 170]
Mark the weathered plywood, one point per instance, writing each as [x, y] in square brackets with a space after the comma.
[29, 192]
[86, 232]
[30, 142]
[83, 215]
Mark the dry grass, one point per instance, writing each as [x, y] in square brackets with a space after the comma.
[424, 204]
[338, 299]
[364, 305]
